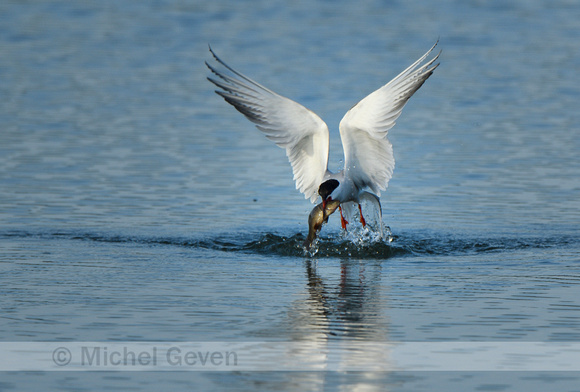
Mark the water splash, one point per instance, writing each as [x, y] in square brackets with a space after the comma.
[367, 236]
[373, 230]
[370, 205]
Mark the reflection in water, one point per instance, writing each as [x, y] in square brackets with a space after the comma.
[348, 308]
[342, 319]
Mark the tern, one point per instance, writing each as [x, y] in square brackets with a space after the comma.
[368, 154]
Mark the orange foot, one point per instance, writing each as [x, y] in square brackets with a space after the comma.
[343, 221]
[362, 219]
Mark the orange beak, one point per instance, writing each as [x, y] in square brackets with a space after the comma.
[324, 203]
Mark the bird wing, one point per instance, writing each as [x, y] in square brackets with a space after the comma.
[368, 153]
[287, 123]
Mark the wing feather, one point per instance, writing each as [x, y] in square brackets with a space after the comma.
[290, 125]
[368, 154]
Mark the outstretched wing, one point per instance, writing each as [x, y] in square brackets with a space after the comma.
[368, 153]
[287, 123]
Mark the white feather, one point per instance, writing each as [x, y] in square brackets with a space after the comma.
[287, 123]
[368, 154]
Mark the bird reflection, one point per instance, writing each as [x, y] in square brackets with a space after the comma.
[335, 335]
[340, 324]
[350, 308]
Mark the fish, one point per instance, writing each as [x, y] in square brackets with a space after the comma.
[319, 216]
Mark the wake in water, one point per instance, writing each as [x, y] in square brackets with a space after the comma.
[361, 243]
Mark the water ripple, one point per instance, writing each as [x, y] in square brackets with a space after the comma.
[334, 246]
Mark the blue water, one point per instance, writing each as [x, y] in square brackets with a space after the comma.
[136, 205]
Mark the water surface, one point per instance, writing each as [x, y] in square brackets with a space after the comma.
[137, 206]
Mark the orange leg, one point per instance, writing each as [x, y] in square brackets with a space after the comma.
[343, 221]
[362, 219]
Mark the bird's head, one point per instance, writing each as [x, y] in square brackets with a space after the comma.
[325, 190]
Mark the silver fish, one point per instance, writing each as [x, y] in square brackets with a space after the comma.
[319, 216]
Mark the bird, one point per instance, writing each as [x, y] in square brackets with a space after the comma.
[368, 154]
